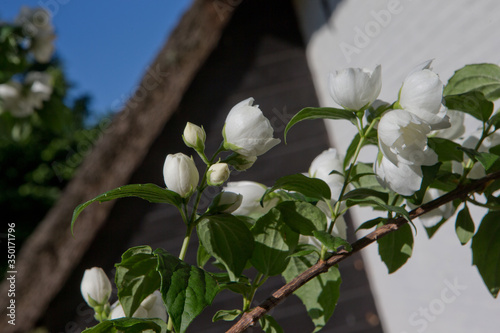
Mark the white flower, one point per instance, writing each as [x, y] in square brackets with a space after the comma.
[402, 178]
[194, 136]
[322, 166]
[422, 95]
[36, 23]
[457, 128]
[355, 88]
[403, 139]
[435, 216]
[217, 174]
[247, 131]
[180, 174]
[151, 307]
[95, 287]
[21, 99]
[252, 193]
[226, 202]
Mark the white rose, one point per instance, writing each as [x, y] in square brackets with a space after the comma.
[180, 174]
[355, 88]
[95, 287]
[247, 131]
[435, 216]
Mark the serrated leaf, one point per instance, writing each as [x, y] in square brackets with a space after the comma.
[464, 226]
[482, 77]
[396, 248]
[310, 187]
[149, 192]
[226, 315]
[319, 295]
[186, 289]
[486, 251]
[331, 242]
[270, 325]
[473, 103]
[302, 217]
[320, 113]
[446, 150]
[128, 325]
[274, 242]
[136, 277]
[227, 239]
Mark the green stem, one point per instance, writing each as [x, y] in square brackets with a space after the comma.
[335, 213]
[256, 283]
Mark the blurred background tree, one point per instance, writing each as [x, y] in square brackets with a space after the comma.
[44, 135]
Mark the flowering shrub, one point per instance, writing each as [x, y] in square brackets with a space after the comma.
[295, 227]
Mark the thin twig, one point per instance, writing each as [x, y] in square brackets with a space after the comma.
[249, 318]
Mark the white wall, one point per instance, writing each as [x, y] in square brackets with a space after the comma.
[399, 34]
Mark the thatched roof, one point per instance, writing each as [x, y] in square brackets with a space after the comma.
[51, 253]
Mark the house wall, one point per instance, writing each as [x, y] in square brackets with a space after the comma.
[400, 34]
[260, 55]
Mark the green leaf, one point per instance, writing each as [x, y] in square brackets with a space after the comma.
[136, 277]
[302, 217]
[464, 226]
[186, 289]
[446, 150]
[202, 256]
[351, 150]
[482, 77]
[270, 325]
[274, 242]
[486, 159]
[396, 248]
[473, 103]
[149, 192]
[128, 325]
[320, 113]
[486, 251]
[242, 287]
[371, 223]
[228, 240]
[310, 187]
[319, 295]
[331, 242]
[363, 193]
[226, 315]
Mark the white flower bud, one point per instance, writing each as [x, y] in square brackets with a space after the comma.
[355, 88]
[194, 136]
[322, 167]
[180, 174]
[217, 174]
[247, 131]
[95, 287]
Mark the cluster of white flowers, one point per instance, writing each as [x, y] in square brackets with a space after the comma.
[403, 131]
[247, 132]
[21, 99]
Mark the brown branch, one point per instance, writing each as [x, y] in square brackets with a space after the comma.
[249, 318]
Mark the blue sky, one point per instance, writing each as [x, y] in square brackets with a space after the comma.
[106, 45]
